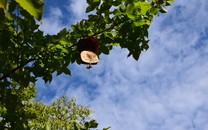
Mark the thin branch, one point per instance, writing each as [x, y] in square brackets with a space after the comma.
[73, 45]
[110, 28]
[21, 66]
[107, 29]
[15, 69]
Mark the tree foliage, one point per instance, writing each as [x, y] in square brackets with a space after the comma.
[27, 54]
[30, 114]
[61, 115]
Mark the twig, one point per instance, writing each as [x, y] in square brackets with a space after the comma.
[21, 66]
[97, 33]
[110, 28]
[15, 69]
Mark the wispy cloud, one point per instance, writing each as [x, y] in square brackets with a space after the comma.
[53, 22]
[77, 9]
[165, 90]
[59, 15]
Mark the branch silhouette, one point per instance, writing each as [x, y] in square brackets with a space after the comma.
[21, 66]
[14, 70]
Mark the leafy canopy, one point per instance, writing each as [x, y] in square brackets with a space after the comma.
[61, 114]
[121, 23]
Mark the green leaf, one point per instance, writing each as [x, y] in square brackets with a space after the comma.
[89, 9]
[67, 71]
[167, 3]
[116, 3]
[95, 1]
[144, 7]
[136, 55]
[47, 77]
[4, 5]
[163, 10]
[93, 124]
[141, 22]
[33, 7]
[76, 126]
[106, 128]
[105, 7]
[92, 4]
[122, 8]
[130, 10]
[154, 10]
[61, 48]
[47, 127]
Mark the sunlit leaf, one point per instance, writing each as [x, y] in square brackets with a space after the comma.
[141, 22]
[34, 7]
[95, 1]
[163, 10]
[144, 7]
[129, 11]
[3, 5]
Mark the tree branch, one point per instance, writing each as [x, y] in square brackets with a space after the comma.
[107, 29]
[97, 33]
[15, 69]
[21, 66]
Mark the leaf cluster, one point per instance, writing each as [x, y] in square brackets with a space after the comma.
[19, 112]
[121, 23]
[27, 54]
[62, 114]
[14, 107]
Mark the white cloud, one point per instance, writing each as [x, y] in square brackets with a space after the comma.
[72, 12]
[77, 9]
[165, 90]
[52, 24]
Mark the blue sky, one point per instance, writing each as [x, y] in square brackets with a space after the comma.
[167, 89]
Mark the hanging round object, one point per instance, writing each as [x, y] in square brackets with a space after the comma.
[89, 57]
[90, 44]
[87, 48]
